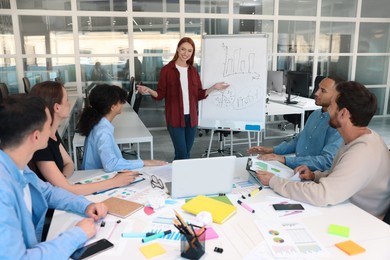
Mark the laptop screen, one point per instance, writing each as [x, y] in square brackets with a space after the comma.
[206, 176]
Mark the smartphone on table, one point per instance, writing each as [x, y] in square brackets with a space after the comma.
[91, 249]
[288, 207]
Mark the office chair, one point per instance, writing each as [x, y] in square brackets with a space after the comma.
[131, 90]
[27, 85]
[87, 91]
[59, 80]
[137, 102]
[3, 90]
[386, 219]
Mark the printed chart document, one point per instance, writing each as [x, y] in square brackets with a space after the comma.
[261, 165]
[290, 239]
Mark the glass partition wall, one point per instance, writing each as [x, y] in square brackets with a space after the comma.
[66, 39]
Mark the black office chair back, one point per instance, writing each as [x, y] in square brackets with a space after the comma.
[387, 217]
[3, 90]
[137, 102]
[131, 90]
[87, 91]
[27, 85]
[59, 80]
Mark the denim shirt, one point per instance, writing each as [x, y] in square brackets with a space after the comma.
[101, 151]
[21, 230]
[315, 146]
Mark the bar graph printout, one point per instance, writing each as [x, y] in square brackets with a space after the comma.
[290, 239]
[261, 165]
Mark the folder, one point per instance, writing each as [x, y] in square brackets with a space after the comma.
[220, 211]
[120, 207]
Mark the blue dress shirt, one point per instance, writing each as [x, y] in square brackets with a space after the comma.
[315, 146]
[101, 151]
[20, 230]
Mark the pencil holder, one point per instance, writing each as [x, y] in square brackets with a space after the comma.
[193, 247]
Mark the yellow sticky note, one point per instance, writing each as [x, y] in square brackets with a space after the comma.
[350, 247]
[152, 250]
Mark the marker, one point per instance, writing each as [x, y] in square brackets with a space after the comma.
[255, 191]
[135, 235]
[155, 236]
[246, 206]
[137, 174]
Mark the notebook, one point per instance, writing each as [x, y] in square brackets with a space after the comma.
[220, 211]
[205, 176]
[120, 207]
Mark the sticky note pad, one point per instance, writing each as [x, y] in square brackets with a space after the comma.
[152, 250]
[211, 234]
[338, 230]
[350, 247]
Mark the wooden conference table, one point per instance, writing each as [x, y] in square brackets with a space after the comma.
[128, 129]
[239, 236]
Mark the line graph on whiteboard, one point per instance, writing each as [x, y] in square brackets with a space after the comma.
[238, 63]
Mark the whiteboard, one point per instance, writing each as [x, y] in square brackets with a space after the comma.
[241, 61]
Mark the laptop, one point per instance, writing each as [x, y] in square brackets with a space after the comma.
[205, 176]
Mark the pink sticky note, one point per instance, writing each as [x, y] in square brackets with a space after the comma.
[210, 234]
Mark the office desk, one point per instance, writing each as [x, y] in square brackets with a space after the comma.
[303, 105]
[128, 129]
[239, 236]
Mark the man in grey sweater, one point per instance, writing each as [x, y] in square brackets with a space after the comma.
[360, 171]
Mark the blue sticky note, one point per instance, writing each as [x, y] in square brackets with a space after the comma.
[170, 202]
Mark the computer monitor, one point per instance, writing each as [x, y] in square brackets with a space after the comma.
[297, 84]
[275, 81]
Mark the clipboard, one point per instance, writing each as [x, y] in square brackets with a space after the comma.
[252, 173]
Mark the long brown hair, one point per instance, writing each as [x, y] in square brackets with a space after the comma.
[190, 61]
[51, 92]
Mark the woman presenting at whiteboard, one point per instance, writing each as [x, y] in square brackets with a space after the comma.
[181, 87]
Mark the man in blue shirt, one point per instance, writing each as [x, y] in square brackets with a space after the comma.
[317, 144]
[24, 199]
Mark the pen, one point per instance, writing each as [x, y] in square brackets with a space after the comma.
[103, 191]
[155, 236]
[255, 191]
[137, 174]
[246, 206]
[134, 235]
[183, 223]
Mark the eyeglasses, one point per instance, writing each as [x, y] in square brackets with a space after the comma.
[156, 182]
